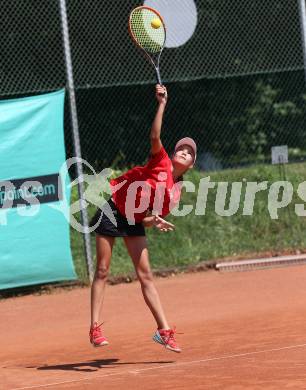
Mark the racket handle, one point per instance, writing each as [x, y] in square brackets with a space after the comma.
[158, 78]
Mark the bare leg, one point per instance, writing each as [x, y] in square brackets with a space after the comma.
[104, 246]
[137, 248]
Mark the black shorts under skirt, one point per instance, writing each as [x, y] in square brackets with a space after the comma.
[123, 228]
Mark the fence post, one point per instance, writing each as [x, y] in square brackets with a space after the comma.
[302, 10]
[76, 137]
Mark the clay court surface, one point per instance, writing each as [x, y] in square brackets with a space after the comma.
[241, 331]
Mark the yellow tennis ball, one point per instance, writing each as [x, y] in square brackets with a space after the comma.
[156, 23]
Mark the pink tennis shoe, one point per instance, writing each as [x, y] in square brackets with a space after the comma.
[166, 338]
[96, 337]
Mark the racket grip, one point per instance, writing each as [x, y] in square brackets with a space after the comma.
[158, 79]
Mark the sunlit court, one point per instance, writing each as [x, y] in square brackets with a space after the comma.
[241, 330]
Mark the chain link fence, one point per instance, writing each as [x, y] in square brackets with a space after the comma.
[236, 86]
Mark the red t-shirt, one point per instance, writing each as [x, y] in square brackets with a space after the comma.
[150, 187]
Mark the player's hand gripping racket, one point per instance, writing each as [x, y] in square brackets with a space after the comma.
[147, 30]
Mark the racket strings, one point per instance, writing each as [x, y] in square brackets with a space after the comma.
[148, 38]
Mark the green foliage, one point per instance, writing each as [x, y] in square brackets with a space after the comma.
[265, 121]
[236, 120]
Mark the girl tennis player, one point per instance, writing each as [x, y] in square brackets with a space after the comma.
[140, 198]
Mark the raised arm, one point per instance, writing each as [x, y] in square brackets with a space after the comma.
[161, 97]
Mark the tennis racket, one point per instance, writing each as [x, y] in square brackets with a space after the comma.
[148, 31]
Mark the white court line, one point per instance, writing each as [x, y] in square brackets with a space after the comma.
[140, 370]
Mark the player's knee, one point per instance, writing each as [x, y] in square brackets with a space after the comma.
[101, 272]
[145, 277]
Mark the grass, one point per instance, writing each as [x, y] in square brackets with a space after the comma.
[211, 236]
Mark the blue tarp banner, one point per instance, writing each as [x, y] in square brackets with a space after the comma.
[34, 192]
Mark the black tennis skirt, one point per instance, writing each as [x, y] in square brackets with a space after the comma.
[107, 228]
